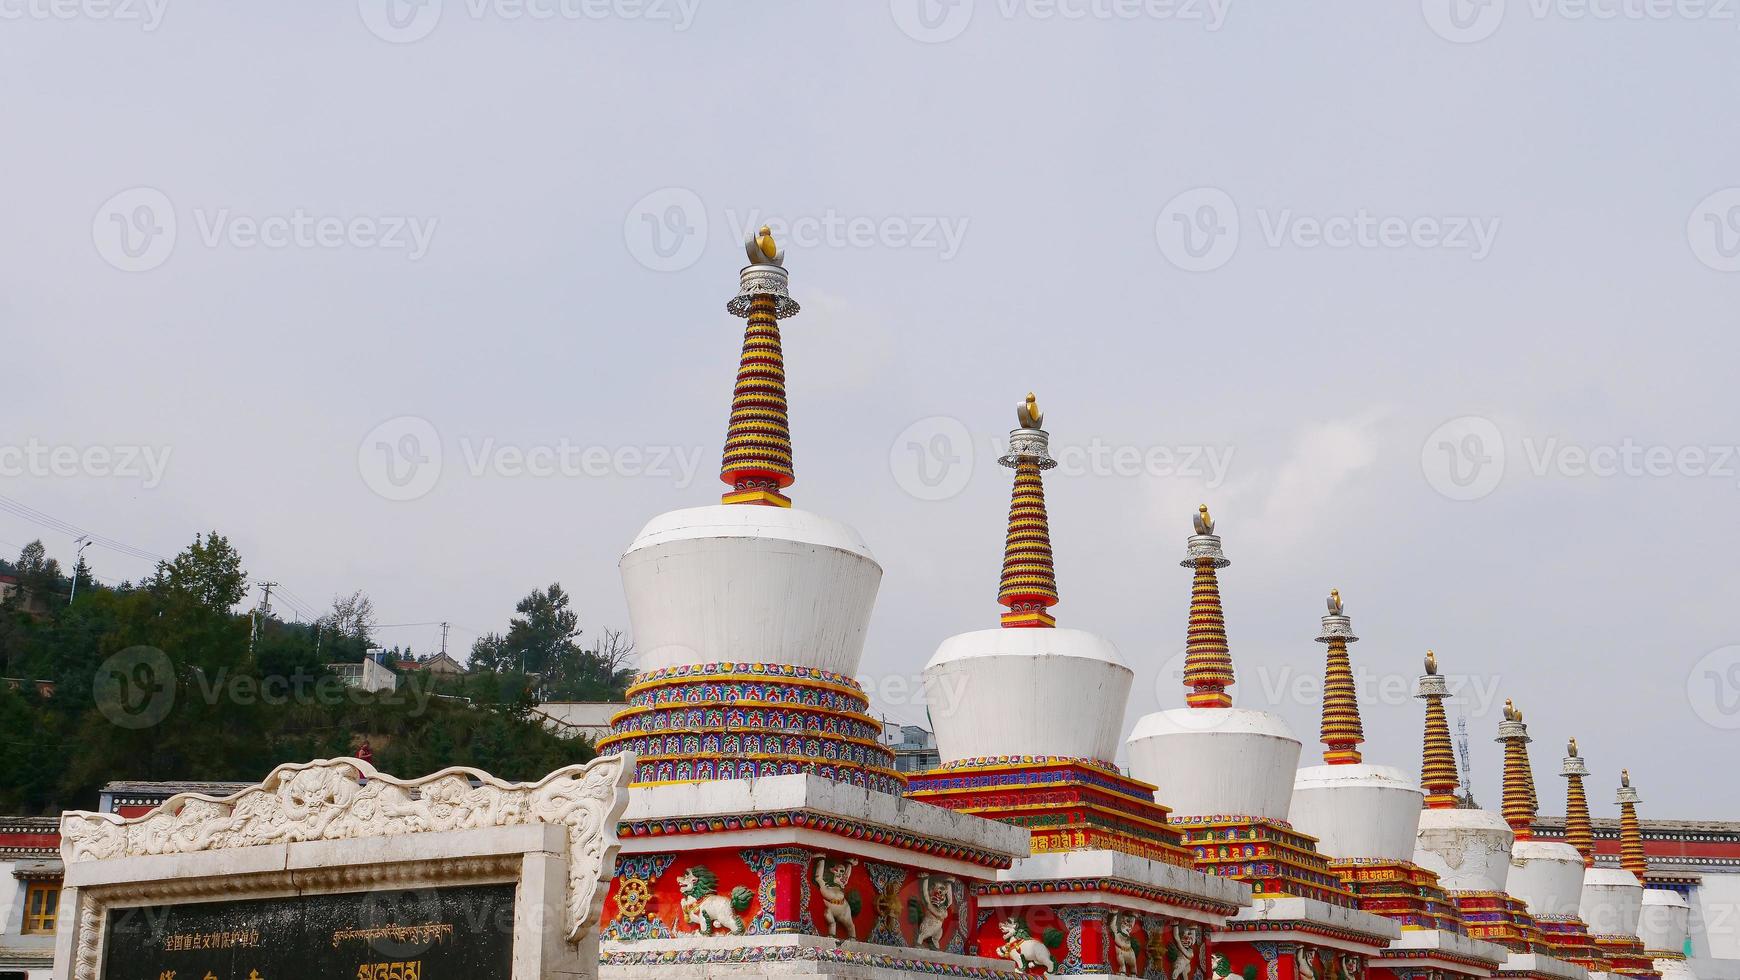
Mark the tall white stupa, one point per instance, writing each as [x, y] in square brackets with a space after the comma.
[1612, 899]
[1366, 817]
[766, 831]
[1027, 718]
[1664, 926]
[1228, 775]
[1546, 874]
[1470, 849]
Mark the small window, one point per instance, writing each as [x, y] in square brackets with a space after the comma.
[41, 903]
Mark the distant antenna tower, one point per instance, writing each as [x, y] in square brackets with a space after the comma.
[1462, 753]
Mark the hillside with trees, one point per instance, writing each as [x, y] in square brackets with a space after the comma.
[163, 679]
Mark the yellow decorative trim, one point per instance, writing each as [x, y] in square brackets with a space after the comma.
[740, 729]
[770, 498]
[675, 680]
[1041, 807]
[763, 757]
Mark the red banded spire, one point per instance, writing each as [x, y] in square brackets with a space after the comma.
[1208, 669]
[1631, 856]
[1518, 804]
[1578, 832]
[1438, 759]
[1028, 585]
[757, 463]
[1341, 731]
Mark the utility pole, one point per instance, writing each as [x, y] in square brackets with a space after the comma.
[1462, 750]
[264, 610]
[444, 639]
[83, 541]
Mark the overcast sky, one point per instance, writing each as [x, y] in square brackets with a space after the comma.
[1436, 306]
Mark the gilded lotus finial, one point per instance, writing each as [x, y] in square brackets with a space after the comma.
[1204, 523]
[763, 250]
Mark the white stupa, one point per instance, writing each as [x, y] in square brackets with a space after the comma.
[1467, 848]
[1664, 926]
[1355, 809]
[1027, 718]
[1366, 817]
[766, 804]
[1228, 774]
[1612, 899]
[1210, 758]
[1470, 849]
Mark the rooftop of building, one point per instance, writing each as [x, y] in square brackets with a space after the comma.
[1611, 825]
[168, 788]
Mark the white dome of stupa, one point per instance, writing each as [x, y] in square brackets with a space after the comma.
[1027, 692]
[764, 585]
[1211, 759]
[1355, 809]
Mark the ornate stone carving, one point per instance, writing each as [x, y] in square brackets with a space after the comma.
[340, 799]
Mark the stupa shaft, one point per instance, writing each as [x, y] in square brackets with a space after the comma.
[1028, 585]
[1438, 756]
[1208, 669]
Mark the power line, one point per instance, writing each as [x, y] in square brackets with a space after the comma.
[44, 519]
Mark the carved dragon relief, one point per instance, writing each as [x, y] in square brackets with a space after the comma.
[342, 799]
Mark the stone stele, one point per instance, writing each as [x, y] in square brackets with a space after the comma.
[337, 826]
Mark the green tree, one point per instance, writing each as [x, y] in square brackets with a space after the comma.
[37, 573]
[208, 572]
[544, 630]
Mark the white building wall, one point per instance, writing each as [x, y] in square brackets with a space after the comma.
[11, 894]
[588, 718]
[1715, 921]
[31, 955]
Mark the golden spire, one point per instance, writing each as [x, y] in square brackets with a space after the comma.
[1631, 856]
[1578, 832]
[1029, 581]
[1518, 807]
[1208, 670]
[1438, 760]
[757, 463]
[1341, 731]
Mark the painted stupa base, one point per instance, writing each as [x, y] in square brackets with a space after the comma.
[797, 875]
[794, 956]
[1540, 966]
[1426, 954]
[1498, 917]
[1626, 956]
[1107, 912]
[1290, 938]
[1567, 938]
[1067, 804]
[709, 721]
[1269, 855]
[1672, 965]
[1400, 891]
